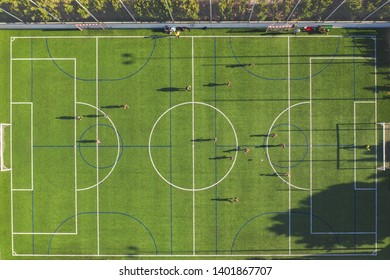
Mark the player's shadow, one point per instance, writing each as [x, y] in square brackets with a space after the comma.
[239, 65]
[267, 146]
[227, 199]
[259, 135]
[112, 107]
[230, 150]
[171, 89]
[269, 174]
[93, 116]
[86, 141]
[65, 118]
[220, 158]
[128, 58]
[215, 84]
[202, 140]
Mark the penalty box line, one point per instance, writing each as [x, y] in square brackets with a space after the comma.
[12, 103]
[311, 145]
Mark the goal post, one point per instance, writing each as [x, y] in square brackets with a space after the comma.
[2, 146]
[385, 146]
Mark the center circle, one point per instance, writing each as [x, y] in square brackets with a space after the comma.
[87, 146]
[197, 147]
[300, 138]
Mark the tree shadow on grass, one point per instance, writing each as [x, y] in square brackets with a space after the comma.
[341, 219]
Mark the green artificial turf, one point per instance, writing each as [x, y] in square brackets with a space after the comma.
[161, 182]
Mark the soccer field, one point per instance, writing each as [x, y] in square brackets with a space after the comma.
[217, 144]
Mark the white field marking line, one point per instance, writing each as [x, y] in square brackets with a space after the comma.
[11, 147]
[354, 145]
[193, 148]
[146, 37]
[42, 58]
[311, 146]
[97, 145]
[342, 57]
[311, 156]
[45, 233]
[345, 232]
[267, 150]
[376, 141]
[75, 145]
[31, 145]
[32, 160]
[384, 143]
[118, 142]
[21, 103]
[150, 144]
[22, 190]
[289, 142]
[190, 256]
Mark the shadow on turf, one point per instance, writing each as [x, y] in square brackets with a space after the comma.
[215, 84]
[258, 135]
[226, 199]
[340, 208]
[171, 89]
[202, 139]
[112, 107]
[269, 146]
[269, 174]
[86, 141]
[128, 57]
[65, 118]
[221, 158]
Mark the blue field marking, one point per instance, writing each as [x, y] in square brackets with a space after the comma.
[304, 145]
[285, 79]
[81, 154]
[284, 213]
[102, 213]
[100, 79]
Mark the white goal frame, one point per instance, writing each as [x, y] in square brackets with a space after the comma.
[2, 145]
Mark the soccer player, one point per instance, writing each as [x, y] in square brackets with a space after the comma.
[246, 150]
[273, 135]
[79, 118]
[228, 83]
[188, 88]
[125, 106]
[367, 147]
[98, 141]
[235, 199]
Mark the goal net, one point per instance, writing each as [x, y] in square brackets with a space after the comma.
[386, 146]
[2, 147]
